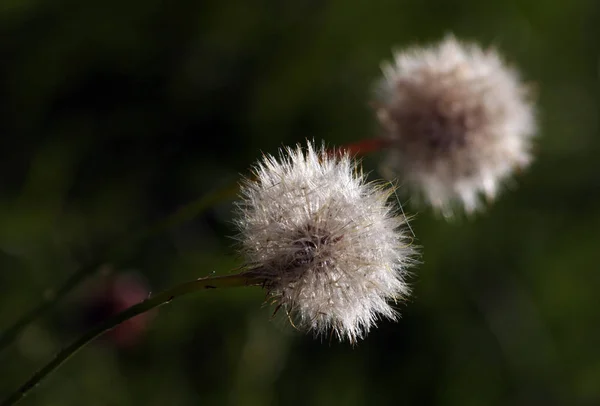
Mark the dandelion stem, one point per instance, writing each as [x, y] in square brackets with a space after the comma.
[115, 255]
[165, 297]
[366, 146]
[359, 148]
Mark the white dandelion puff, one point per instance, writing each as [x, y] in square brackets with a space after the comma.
[459, 122]
[331, 249]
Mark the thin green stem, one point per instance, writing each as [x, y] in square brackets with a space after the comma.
[115, 255]
[212, 282]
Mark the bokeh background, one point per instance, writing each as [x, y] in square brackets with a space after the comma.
[115, 114]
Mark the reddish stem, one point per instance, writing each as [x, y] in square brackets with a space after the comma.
[363, 147]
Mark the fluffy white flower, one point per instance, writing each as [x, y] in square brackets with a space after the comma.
[459, 122]
[329, 246]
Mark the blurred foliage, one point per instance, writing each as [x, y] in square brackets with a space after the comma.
[115, 113]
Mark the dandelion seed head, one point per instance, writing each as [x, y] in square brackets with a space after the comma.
[459, 120]
[330, 247]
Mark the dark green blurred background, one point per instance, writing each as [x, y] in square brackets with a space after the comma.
[116, 113]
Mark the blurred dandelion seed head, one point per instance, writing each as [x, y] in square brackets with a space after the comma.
[459, 119]
[332, 250]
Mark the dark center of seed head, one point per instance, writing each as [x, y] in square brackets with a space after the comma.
[308, 244]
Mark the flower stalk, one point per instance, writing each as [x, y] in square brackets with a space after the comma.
[364, 147]
[160, 299]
